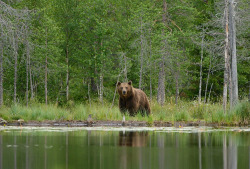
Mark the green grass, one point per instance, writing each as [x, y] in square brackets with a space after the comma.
[184, 111]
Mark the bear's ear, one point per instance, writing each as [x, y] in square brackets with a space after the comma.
[118, 84]
[130, 82]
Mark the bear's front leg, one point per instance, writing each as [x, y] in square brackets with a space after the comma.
[122, 106]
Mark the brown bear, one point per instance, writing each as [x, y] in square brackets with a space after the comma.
[132, 100]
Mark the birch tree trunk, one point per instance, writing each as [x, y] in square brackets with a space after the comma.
[161, 84]
[27, 69]
[200, 84]
[46, 68]
[150, 56]
[125, 68]
[249, 93]
[226, 59]
[101, 89]
[141, 69]
[232, 32]
[67, 74]
[15, 47]
[1, 73]
[209, 93]
[89, 94]
[230, 85]
[31, 83]
[208, 74]
[177, 92]
[161, 79]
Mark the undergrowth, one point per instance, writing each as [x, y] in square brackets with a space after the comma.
[184, 111]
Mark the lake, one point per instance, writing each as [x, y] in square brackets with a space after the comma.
[118, 148]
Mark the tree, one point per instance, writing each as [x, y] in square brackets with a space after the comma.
[232, 39]
[226, 59]
[161, 78]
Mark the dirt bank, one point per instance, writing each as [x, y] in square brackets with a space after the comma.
[117, 124]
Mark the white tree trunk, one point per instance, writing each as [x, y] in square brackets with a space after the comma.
[46, 69]
[125, 68]
[15, 46]
[101, 89]
[208, 75]
[89, 94]
[249, 93]
[161, 84]
[200, 84]
[31, 83]
[1, 73]
[27, 69]
[226, 59]
[209, 93]
[232, 32]
[67, 74]
[141, 69]
[177, 93]
[161, 78]
[150, 56]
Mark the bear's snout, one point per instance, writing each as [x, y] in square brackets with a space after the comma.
[123, 92]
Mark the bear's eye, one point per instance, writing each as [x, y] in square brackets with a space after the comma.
[121, 88]
[126, 87]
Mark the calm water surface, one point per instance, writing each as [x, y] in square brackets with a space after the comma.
[118, 148]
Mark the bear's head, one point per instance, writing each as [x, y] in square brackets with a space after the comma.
[124, 89]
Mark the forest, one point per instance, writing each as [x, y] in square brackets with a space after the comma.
[62, 59]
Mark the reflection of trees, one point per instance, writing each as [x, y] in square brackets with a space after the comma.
[230, 153]
[1, 152]
[101, 149]
[138, 140]
[27, 152]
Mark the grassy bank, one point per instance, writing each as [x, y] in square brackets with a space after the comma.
[184, 111]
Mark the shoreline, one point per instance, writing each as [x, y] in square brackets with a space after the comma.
[98, 123]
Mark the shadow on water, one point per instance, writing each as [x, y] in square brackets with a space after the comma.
[124, 149]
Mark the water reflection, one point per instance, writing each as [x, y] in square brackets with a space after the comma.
[133, 139]
[113, 149]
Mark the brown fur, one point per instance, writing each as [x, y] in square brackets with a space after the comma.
[132, 100]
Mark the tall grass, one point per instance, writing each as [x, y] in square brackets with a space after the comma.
[184, 111]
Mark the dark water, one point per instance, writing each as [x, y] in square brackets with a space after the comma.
[40, 148]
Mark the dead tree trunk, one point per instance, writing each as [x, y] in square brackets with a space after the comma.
[101, 89]
[1, 73]
[249, 92]
[208, 74]
[202, 47]
[46, 68]
[209, 93]
[230, 91]
[27, 69]
[89, 94]
[141, 69]
[232, 33]
[31, 83]
[226, 59]
[177, 92]
[15, 47]
[161, 84]
[150, 57]
[125, 68]
[161, 79]
[67, 73]
[115, 91]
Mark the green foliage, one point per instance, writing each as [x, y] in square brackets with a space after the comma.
[101, 39]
